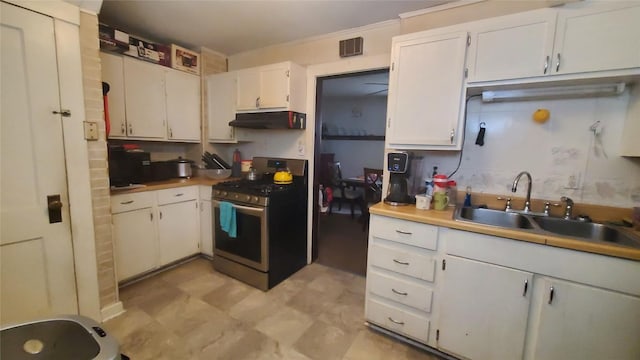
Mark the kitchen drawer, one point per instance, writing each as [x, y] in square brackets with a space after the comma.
[128, 202]
[179, 194]
[400, 290]
[402, 261]
[403, 231]
[398, 320]
[205, 192]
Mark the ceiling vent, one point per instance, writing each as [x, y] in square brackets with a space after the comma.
[351, 47]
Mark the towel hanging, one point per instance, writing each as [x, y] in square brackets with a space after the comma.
[228, 218]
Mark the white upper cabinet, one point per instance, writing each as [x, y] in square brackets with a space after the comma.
[597, 38]
[280, 86]
[511, 47]
[151, 102]
[145, 99]
[575, 39]
[183, 106]
[113, 74]
[221, 103]
[426, 93]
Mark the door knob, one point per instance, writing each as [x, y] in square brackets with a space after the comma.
[54, 205]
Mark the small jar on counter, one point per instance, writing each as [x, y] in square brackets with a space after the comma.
[452, 192]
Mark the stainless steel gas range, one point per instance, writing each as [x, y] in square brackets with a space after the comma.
[270, 240]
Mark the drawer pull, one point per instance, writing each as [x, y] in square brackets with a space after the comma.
[399, 292]
[400, 262]
[403, 232]
[126, 202]
[526, 287]
[179, 194]
[551, 291]
[395, 321]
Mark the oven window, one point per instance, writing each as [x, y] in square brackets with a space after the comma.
[247, 243]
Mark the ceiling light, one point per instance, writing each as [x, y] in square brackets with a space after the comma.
[560, 92]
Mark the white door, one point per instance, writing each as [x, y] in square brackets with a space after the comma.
[37, 269]
[113, 74]
[183, 106]
[274, 87]
[178, 230]
[248, 90]
[485, 315]
[136, 242]
[583, 322]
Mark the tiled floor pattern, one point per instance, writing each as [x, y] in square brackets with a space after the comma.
[193, 312]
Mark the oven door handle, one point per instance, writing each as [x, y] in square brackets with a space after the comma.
[245, 208]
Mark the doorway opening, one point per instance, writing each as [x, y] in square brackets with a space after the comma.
[349, 137]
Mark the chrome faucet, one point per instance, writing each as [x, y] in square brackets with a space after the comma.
[527, 203]
[569, 207]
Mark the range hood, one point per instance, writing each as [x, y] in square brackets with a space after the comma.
[270, 120]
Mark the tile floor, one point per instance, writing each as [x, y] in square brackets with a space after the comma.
[193, 312]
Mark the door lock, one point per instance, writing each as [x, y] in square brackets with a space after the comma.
[55, 208]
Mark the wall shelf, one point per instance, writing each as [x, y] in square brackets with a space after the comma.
[353, 137]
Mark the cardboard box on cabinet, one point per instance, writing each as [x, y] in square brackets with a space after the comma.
[148, 51]
[113, 39]
[185, 59]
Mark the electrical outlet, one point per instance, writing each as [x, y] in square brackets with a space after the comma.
[300, 147]
[90, 130]
[573, 181]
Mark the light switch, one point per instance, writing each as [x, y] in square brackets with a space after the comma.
[90, 130]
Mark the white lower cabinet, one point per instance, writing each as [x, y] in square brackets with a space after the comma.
[575, 321]
[154, 228]
[136, 249]
[484, 309]
[401, 276]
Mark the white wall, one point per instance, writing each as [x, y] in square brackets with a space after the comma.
[552, 152]
[355, 116]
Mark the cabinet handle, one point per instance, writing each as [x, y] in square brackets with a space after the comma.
[258, 102]
[123, 131]
[546, 64]
[160, 215]
[452, 134]
[403, 232]
[395, 321]
[399, 292]
[558, 63]
[130, 129]
[170, 133]
[550, 294]
[179, 194]
[151, 216]
[400, 262]
[526, 286]
[126, 202]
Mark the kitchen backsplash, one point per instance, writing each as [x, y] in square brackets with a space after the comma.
[562, 155]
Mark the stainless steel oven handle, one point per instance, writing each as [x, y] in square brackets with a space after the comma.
[240, 207]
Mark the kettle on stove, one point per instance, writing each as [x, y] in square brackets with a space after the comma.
[283, 176]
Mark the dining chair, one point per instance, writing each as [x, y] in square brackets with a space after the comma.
[341, 192]
[372, 192]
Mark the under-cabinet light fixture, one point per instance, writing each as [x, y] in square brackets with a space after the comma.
[560, 92]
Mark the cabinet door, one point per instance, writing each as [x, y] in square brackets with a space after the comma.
[113, 74]
[583, 322]
[511, 47]
[248, 89]
[206, 228]
[485, 312]
[183, 106]
[221, 103]
[274, 87]
[145, 99]
[426, 94]
[178, 230]
[597, 38]
[136, 246]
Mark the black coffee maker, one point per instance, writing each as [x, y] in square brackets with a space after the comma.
[397, 164]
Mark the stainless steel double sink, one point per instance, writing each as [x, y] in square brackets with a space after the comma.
[585, 231]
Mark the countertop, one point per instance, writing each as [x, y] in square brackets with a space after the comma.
[445, 218]
[171, 183]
